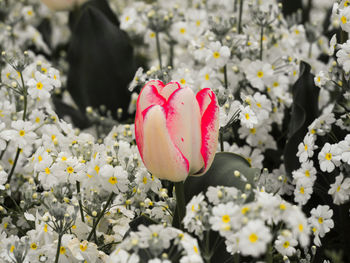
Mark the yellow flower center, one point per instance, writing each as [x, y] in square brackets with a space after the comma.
[112, 180]
[286, 244]
[33, 246]
[144, 180]
[343, 19]
[302, 190]
[22, 133]
[252, 130]
[182, 30]
[83, 247]
[62, 250]
[226, 219]
[282, 206]
[97, 169]
[127, 18]
[276, 84]
[183, 81]
[39, 85]
[206, 76]
[329, 156]
[320, 220]
[216, 54]
[307, 173]
[253, 238]
[260, 74]
[305, 147]
[338, 188]
[301, 227]
[195, 248]
[70, 170]
[247, 116]
[47, 170]
[244, 210]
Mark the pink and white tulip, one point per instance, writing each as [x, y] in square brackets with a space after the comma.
[63, 5]
[176, 130]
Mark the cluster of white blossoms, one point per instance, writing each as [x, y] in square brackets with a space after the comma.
[70, 195]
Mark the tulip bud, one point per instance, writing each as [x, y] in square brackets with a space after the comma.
[63, 5]
[176, 131]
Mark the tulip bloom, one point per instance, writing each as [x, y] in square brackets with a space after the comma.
[63, 5]
[176, 130]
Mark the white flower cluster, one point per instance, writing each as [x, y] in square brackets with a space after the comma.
[247, 227]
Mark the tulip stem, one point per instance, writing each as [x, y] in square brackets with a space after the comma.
[180, 201]
[240, 17]
[221, 137]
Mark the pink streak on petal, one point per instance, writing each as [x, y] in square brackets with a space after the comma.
[148, 96]
[184, 126]
[210, 130]
[169, 89]
[204, 99]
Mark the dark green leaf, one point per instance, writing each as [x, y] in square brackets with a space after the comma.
[221, 172]
[304, 112]
[100, 59]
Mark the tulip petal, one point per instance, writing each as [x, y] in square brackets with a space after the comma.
[184, 126]
[149, 96]
[161, 157]
[209, 126]
[168, 89]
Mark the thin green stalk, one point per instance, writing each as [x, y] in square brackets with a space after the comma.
[111, 196]
[13, 166]
[58, 248]
[23, 118]
[225, 77]
[159, 51]
[261, 42]
[269, 258]
[310, 50]
[240, 16]
[180, 201]
[221, 135]
[171, 54]
[236, 258]
[80, 203]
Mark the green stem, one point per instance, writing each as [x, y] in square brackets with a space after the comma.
[100, 216]
[225, 77]
[80, 203]
[268, 258]
[240, 16]
[261, 42]
[221, 135]
[58, 248]
[236, 258]
[180, 201]
[310, 50]
[23, 118]
[13, 166]
[159, 51]
[171, 54]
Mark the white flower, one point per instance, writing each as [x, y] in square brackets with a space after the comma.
[332, 45]
[225, 217]
[343, 56]
[40, 86]
[258, 73]
[218, 55]
[329, 157]
[21, 135]
[321, 79]
[253, 238]
[303, 191]
[285, 243]
[344, 16]
[114, 178]
[321, 218]
[340, 190]
[306, 148]
[247, 117]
